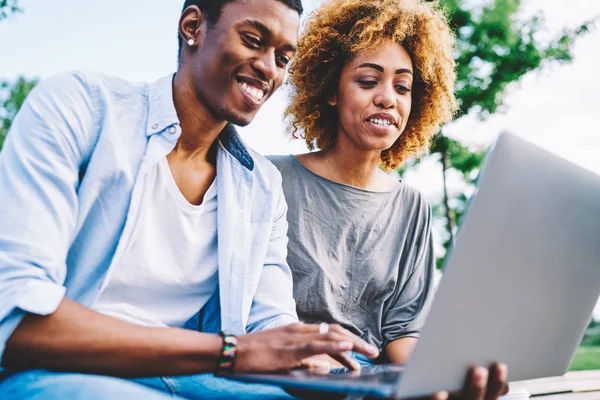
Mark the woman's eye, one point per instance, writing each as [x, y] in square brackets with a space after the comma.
[282, 60]
[402, 89]
[367, 83]
[252, 41]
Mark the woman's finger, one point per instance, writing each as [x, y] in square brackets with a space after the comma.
[476, 384]
[346, 360]
[496, 381]
[316, 364]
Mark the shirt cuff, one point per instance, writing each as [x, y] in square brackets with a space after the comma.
[36, 296]
[275, 322]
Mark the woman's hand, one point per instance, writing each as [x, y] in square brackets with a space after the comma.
[287, 347]
[481, 384]
[324, 362]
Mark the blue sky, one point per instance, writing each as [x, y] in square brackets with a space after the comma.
[137, 40]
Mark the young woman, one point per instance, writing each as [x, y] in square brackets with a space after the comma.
[372, 82]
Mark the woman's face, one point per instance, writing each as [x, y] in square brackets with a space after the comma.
[374, 97]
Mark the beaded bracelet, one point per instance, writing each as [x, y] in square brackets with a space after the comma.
[227, 357]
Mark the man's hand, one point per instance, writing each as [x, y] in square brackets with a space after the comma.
[284, 348]
[480, 384]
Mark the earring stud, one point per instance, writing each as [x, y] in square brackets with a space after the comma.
[191, 42]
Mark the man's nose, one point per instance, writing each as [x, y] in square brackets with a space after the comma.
[267, 66]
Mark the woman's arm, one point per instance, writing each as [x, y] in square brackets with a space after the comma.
[399, 350]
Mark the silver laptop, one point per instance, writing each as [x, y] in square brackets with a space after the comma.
[519, 287]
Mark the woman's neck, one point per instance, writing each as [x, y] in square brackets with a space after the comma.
[350, 166]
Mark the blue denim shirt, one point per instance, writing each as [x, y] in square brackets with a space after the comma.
[70, 183]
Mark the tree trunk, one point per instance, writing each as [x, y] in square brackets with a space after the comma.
[449, 222]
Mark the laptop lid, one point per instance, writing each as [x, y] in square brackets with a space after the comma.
[522, 281]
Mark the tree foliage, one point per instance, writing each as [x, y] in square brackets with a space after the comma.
[8, 7]
[496, 46]
[12, 96]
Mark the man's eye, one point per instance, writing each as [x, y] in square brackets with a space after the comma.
[282, 60]
[252, 41]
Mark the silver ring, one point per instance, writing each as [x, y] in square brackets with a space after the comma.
[323, 328]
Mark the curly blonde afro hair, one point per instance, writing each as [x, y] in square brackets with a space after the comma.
[337, 32]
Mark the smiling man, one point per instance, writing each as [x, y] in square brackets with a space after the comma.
[127, 207]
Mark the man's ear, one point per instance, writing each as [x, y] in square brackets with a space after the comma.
[191, 23]
[332, 100]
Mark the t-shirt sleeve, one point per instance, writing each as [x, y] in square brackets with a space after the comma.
[412, 299]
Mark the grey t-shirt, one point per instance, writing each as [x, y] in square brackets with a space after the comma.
[359, 258]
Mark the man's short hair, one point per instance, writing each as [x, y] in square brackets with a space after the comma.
[212, 9]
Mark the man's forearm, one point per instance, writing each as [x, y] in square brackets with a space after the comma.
[75, 338]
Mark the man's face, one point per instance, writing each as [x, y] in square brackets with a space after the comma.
[240, 60]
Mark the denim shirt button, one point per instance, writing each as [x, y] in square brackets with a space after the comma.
[172, 130]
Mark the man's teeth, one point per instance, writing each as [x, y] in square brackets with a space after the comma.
[255, 92]
[382, 122]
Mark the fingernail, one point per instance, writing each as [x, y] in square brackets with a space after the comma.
[502, 371]
[372, 349]
[481, 376]
[442, 396]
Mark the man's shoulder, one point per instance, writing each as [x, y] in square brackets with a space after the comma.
[86, 84]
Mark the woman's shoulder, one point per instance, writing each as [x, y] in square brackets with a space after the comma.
[289, 167]
[408, 194]
[281, 161]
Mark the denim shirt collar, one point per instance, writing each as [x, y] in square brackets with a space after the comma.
[161, 107]
[162, 114]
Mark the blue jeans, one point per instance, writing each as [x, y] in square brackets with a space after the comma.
[47, 385]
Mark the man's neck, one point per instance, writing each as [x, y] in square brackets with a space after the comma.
[199, 128]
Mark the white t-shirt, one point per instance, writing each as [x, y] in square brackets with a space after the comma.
[165, 287]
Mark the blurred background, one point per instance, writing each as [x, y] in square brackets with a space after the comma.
[524, 66]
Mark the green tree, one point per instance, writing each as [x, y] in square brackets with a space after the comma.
[8, 7]
[12, 96]
[495, 47]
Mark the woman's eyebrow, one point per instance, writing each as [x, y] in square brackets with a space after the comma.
[403, 71]
[370, 65]
[380, 68]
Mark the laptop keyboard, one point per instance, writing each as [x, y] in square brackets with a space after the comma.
[379, 374]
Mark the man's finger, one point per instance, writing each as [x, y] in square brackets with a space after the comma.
[317, 347]
[359, 345]
[340, 329]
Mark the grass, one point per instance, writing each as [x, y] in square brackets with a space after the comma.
[587, 357]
